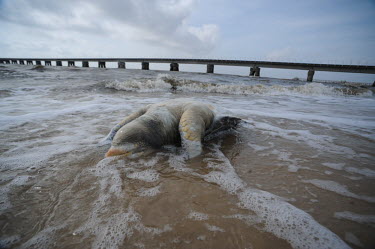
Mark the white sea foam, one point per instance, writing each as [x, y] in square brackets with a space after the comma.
[249, 219]
[6, 242]
[149, 191]
[144, 163]
[213, 228]
[361, 171]
[310, 110]
[43, 239]
[121, 222]
[337, 166]
[226, 179]
[258, 147]
[280, 218]
[318, 142]
[166, 82]
[201, 237]
[177, 162]
[148, 175]
[292, 163]
[115, 230]
[7, 188]
[287, 222]
[140, 85]
[35, 110]
[350, 237]
[152, 230]
[197, 216]
[359, 218]
[339, 189]
[82, 122]
[222, 172]
[240, 89]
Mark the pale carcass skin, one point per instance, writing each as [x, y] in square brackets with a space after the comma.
[160, 124]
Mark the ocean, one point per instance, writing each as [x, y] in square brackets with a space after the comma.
[298, 173]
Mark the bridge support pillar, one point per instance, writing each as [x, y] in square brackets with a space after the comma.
[48, 63]
[252, 71]
[7, 62]
[310, 75]
[59, 63]
[71, 64]
[145, 66]
[85, 64]
[174, 67]
[121, 64]
[39, 63]
[257, 71]
[14, 62]
[29, 62]
[101, 64]
[210, 68]
[22, 62]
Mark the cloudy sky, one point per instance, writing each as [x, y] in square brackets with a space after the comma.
[321, 31]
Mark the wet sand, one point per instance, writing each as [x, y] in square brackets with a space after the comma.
[303, 180]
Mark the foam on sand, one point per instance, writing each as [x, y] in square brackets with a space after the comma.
[149, 191]
[361, 171]
[50, 125]
[111, 226]
[279, 217]
[213, 228]
[337, 166]
[350, 237]
[359, 218]
[318, 142]
[197, 216]
[339, 189]
[4, 199]
[288, 222]
[148, 175]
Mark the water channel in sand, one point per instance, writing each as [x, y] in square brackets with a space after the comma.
[298, 174]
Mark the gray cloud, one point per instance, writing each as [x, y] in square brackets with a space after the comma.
[160, 22]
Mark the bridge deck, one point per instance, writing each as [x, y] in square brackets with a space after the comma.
[174, 62]
[264, 64]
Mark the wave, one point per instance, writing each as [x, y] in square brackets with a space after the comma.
[141, 85]
[166, 82]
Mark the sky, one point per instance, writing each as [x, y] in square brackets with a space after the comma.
[317, 31]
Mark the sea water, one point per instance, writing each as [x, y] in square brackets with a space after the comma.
[298, 173]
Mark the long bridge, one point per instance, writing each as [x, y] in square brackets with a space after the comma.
[255, 66]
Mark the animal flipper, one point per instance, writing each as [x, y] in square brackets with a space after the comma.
[125, 121]
[191, 128]
[222, 124]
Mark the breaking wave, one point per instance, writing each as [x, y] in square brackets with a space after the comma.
[165, 82]
[136, 85]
